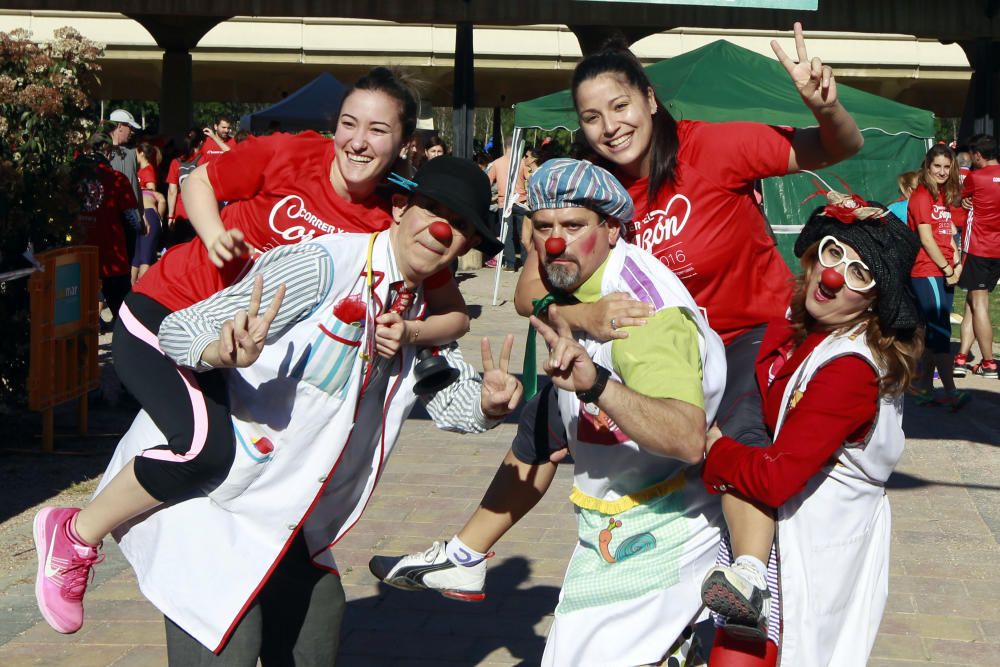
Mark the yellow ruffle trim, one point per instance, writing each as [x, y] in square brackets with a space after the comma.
[625, 503]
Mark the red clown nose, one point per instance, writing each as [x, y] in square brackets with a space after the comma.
[555, 246]
[441, 231]
[832, 279]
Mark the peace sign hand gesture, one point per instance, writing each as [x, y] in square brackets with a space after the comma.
[812, 78]
[501, 391]
[569, 365]
[241, 339]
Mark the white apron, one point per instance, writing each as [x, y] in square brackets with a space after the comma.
[201, 562]
[833, 537]
[648, 530]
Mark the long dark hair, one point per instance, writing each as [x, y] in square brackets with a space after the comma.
[616, 59]
[895, 351]
[399, 87]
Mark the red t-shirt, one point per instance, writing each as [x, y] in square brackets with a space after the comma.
[838, 406]
[983, 185]
[147, 175]
[210, 149]
[279, 193]
[104, 197]
[707, 228]
[923, 209]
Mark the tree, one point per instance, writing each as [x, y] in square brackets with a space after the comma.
[43, 122]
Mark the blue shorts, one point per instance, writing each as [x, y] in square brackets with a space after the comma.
[934, 301]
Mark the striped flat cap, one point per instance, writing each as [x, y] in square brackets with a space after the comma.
[566, 183]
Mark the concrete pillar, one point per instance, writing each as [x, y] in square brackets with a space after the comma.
[464, 106]
[593, 37]
[176, 101]
[980, 115]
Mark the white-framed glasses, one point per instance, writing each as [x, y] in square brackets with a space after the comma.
[857, 275]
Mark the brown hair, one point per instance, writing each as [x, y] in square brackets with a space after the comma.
[895, 351]
[952, 187]
[908, 181]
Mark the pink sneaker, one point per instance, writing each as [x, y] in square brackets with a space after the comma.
[64, 567]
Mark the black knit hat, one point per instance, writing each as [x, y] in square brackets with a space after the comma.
[883, 242]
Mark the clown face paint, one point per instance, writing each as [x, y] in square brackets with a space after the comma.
[585, 239]
[828, 299]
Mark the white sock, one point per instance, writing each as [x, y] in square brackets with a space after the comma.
[461, 554]
[757, 566]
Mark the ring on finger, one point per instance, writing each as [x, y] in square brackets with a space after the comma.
[614, 325]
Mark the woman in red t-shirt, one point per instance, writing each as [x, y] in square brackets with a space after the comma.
[692, 185]
[281, 189]
[934, 211]
[179, 229]
[147, 244]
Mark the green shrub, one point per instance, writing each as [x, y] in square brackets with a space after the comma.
[44, 105]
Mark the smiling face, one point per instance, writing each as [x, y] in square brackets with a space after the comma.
[939, 169]
[617, 120]
[368, 138]
[588, 242]
[835, 307]
[418, 253]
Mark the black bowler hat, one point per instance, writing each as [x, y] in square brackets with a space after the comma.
[885, 244]
[462, 186]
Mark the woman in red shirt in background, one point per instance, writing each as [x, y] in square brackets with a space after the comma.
[281, 189]
[934, 210]
[147, 244]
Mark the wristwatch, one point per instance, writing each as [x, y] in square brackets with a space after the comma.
[596, 389]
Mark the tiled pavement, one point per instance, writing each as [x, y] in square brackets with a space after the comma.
[944, 605]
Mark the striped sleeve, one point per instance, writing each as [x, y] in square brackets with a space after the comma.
[457, 407]
[305, 269]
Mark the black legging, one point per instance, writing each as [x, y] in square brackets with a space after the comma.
[191, 409]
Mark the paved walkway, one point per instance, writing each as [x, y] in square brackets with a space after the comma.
[944, 605]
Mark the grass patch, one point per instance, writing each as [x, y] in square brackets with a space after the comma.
[994, 313]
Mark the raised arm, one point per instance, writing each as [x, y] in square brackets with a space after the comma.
[304, 269]
[837, 136]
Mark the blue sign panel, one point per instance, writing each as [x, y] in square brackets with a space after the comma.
[67, 294]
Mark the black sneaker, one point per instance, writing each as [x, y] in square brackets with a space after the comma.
[738, 594]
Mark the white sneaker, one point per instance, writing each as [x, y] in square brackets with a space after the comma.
[431, 570]
[740, 595]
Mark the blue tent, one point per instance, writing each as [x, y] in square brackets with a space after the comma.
[314, 106]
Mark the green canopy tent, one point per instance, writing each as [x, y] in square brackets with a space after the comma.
[725, 82]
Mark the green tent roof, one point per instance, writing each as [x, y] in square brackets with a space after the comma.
[722, 81]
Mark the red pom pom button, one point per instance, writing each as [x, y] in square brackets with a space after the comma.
[555, 246]
[441, 231]
[263, 445]
[832, 279]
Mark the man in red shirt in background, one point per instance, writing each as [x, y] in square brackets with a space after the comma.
[107, 206]
[218, 138]
[981, 192]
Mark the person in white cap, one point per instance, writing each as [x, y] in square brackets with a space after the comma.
[124, 160]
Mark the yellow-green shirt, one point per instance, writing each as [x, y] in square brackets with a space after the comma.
[660, 359]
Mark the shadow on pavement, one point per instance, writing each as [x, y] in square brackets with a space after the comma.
[975, 422]
[402, 628]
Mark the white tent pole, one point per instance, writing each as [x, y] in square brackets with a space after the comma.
[516, 149]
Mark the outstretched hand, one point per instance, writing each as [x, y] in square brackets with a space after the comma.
[812, 78]
[569, 365]
[501, 391]
[241, 339]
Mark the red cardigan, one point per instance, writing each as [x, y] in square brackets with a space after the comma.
[839, 406]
